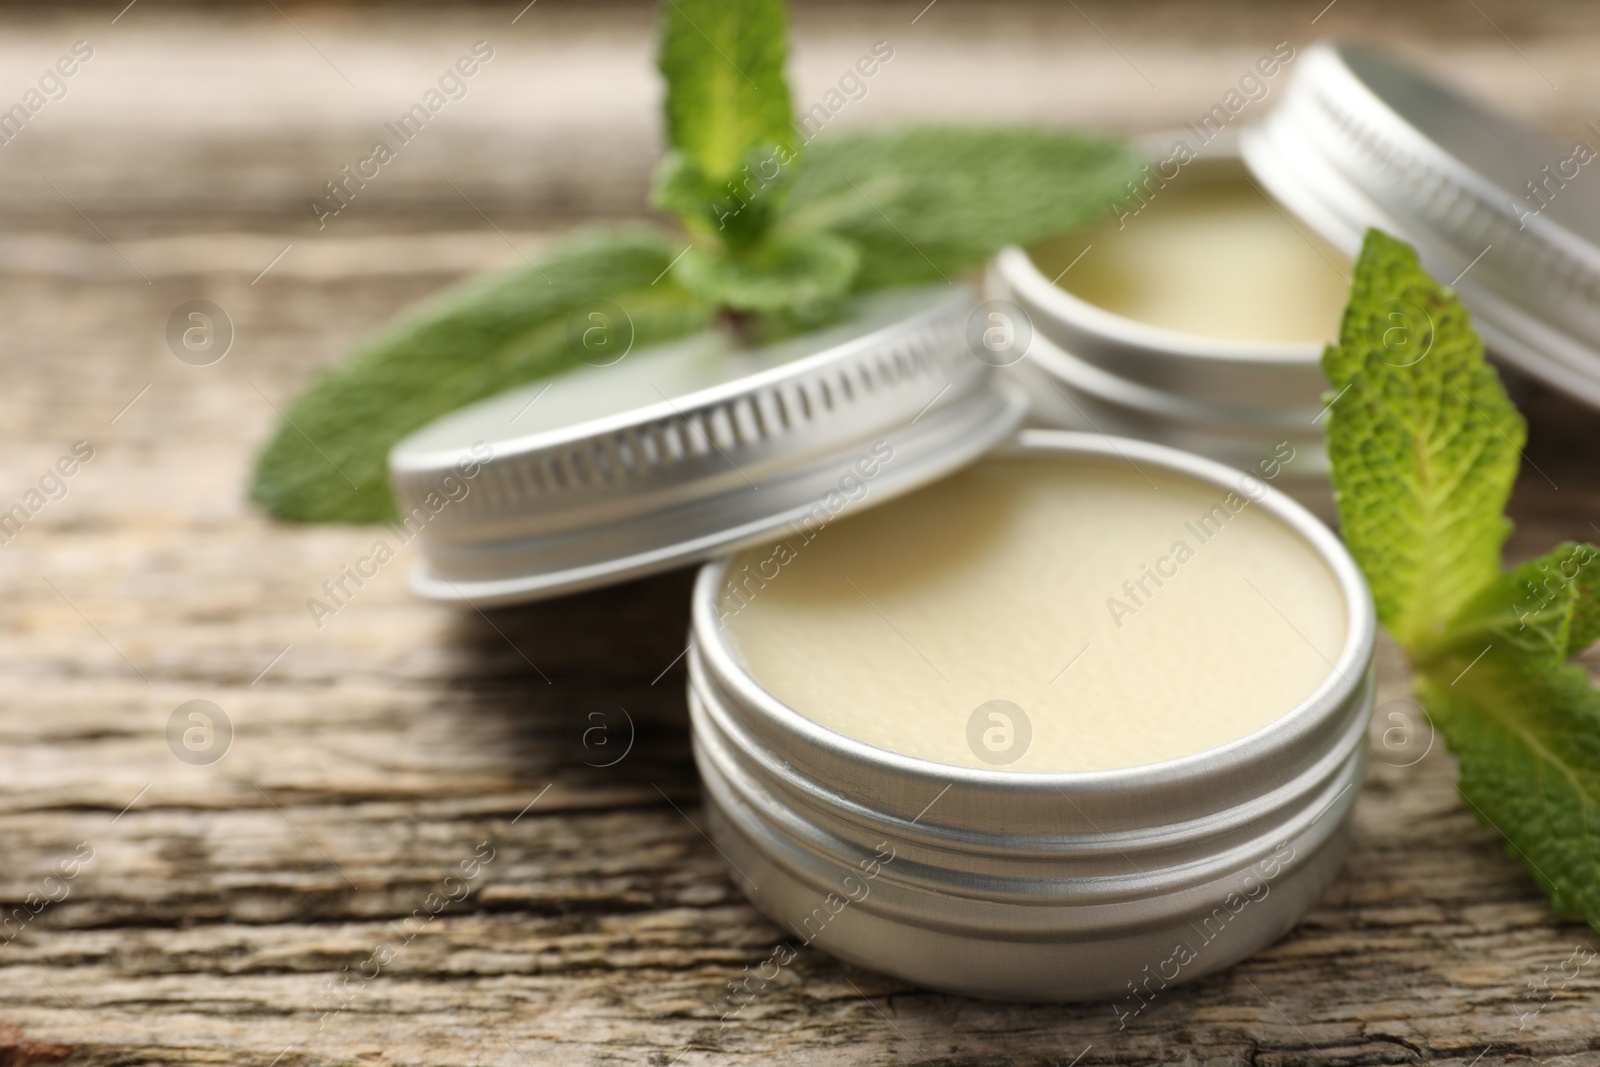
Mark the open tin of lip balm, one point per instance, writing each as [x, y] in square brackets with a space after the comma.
[1199, 322]
[1149, 335]
[1166, 793]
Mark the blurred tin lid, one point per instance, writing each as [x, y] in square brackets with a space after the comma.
[680, 452]
[1362, 140]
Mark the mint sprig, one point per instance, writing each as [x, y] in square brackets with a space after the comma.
[726, 91]
[776, 234]
[728, 116]
[1425, 445]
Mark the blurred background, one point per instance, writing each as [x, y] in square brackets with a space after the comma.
[194, 118]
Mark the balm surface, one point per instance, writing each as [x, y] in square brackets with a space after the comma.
[1213, 258]
[1133, 616]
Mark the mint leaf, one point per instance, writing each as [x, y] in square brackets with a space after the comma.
[732, 133]
[327, 462]
[736, 214]
[727, 98]
[809, 274]
[926, 203]
[1533, 611]
[1528, 742]
[726, 92]
[1585, 629]
[1423, 440]
[1424, 444]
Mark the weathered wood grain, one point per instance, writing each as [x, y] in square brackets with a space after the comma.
[223, 903]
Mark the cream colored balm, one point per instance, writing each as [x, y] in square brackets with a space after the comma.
[1211, 258]
[1042, 615]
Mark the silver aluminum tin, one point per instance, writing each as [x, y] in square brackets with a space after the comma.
[1091, 369]
[1362, 140]
[687, 477]
[1041, 887]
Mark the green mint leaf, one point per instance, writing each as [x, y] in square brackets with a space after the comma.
[736, 214]
[807, 275]
[1424, 444]
[1585, 629]
[1528, 742]
[1543, 612]
[926, 203]
[328, 460]
[726, 92]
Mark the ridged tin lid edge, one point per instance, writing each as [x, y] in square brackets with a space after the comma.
[1345, 150]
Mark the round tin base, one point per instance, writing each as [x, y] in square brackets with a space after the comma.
[1072, 395]
[1128, 967]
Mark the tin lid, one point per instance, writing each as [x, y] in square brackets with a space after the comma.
[1505, 214]
[680, 452]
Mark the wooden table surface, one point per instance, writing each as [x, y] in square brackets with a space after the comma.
[233, 912]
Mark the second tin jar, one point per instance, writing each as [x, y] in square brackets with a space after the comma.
[1226, 363]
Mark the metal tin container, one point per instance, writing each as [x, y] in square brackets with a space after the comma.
[1495, 208]
[1092, 369]
[677, 453]
[1103, 885]
[1358, 140]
